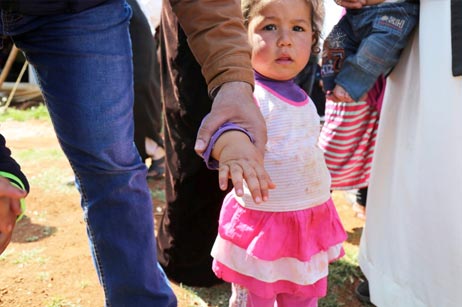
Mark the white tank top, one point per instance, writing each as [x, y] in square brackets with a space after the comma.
[292, 158]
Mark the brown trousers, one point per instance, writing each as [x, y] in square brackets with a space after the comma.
[189, 225]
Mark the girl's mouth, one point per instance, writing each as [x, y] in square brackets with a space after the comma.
[284, 59]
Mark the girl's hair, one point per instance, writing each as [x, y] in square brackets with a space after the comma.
[251, 7]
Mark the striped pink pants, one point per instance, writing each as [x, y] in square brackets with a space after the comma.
[241, 297]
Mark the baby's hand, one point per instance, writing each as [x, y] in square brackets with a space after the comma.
[339, 94]
[10, 209]
[240, 160]
[356, 4]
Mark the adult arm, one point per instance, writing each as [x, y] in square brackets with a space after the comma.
[218, 39]
[13, 187]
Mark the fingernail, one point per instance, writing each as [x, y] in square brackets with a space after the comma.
[239, 192]
[258, 200]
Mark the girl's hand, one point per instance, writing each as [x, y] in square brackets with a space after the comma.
[241, 160]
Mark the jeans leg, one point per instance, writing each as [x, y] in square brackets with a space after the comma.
[83, 64]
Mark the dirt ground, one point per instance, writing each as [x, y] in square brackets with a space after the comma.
[48, 262]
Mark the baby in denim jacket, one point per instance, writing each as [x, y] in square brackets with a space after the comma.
[365, 44]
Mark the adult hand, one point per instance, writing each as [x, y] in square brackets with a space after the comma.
[234, 102]
[10, 208]
[351, 4]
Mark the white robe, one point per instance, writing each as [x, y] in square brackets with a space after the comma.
[411, 247]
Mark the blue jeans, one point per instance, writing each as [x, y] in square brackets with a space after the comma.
[365, 44]
[83, 65]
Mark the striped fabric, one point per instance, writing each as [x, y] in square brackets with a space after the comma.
[292, 156]
[348, 138]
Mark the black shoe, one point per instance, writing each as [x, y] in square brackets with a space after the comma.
[157, 169]
[362, 292]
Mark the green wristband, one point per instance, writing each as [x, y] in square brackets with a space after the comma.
[15, 181]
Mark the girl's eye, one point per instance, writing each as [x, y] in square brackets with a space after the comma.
[269, 28]
[298, 29]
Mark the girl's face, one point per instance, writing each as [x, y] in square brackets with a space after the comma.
[281, 38]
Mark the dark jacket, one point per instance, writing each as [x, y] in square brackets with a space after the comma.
[47, 7]
[8, 167]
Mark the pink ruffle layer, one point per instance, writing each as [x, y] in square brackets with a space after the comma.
[269, 290]
[273, 235]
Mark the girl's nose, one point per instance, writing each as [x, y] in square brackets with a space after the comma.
[284, 39]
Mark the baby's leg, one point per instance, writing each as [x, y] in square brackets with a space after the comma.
[242, 297]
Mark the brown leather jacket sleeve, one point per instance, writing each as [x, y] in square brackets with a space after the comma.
[218, 39]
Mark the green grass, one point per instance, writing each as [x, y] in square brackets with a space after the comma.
[51, 177]
[158, 195]
[39, 154]
[43, 276]
[342, 274]
[216, 296]
[29, 256]
[39, 112]
[59, 302]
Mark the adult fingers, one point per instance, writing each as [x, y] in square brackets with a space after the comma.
[5, 239]
[7, 221]
[8, 190]
[209, 125]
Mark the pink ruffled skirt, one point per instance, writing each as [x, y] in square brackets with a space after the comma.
[278, 252]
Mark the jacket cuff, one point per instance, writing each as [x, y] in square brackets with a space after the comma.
[229, 73]
[15, 181]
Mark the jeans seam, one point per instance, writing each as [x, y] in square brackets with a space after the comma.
[90, 233]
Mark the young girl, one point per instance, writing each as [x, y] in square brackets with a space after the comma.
[278, 250]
